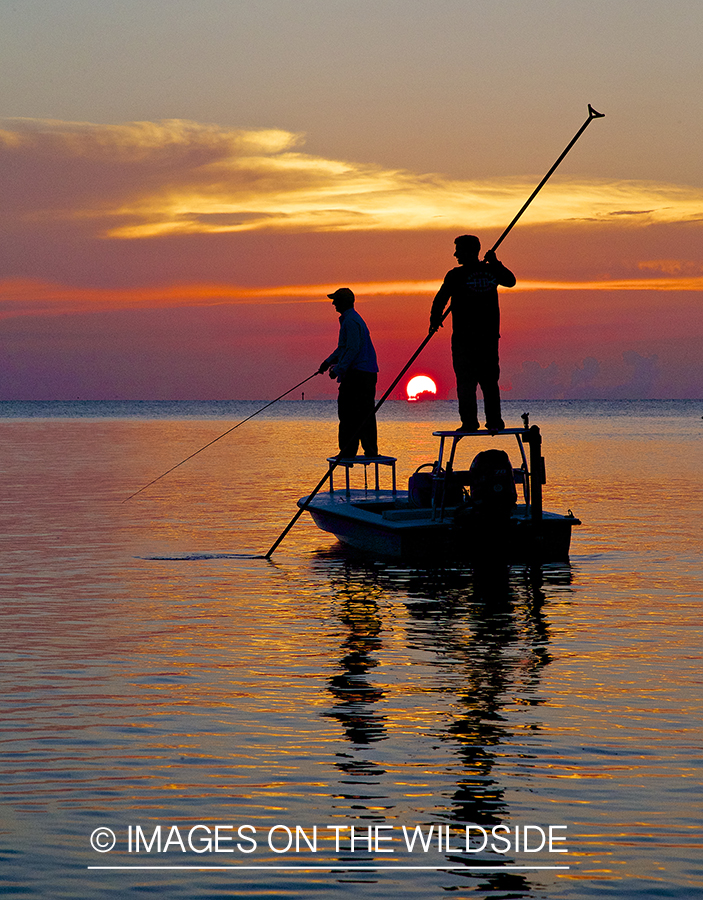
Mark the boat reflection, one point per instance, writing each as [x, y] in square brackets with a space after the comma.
[355, 694]
[486, 637]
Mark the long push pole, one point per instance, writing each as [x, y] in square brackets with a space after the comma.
[219, 437]
[592, 114]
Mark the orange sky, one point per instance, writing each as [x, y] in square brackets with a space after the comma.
[167, 256]
[176, 260]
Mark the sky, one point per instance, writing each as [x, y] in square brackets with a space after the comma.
[183, 181]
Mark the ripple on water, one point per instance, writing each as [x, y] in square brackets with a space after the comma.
[154, 673]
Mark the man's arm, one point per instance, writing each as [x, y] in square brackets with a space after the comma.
[442, 297]
[348, 349]
[330, 361]
[503, 275]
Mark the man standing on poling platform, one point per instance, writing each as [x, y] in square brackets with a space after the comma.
[353, 363]
[472, 288]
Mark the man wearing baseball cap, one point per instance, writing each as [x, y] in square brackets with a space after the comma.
[353, 363]
[472, 288]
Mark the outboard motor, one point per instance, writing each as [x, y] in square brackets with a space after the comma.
[491, 484]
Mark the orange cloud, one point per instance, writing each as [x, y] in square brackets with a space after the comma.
[144, 179]
[27, 296]
[677, 267]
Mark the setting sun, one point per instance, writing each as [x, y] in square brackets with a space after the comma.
[420, 384]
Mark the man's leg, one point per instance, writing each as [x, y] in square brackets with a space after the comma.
[348, 420]
[357, 420]
[367, 415]
[466, 382]
[489, 376]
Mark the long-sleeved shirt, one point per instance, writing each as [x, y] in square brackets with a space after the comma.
[355, 349]
[473, 291]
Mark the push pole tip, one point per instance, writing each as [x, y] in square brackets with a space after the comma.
[594, 114]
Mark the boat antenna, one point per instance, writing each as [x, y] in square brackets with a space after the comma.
[219, 437]
[592, 114]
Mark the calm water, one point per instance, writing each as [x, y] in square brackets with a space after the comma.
[154, 676]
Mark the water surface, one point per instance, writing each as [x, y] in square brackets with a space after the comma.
[155, 675]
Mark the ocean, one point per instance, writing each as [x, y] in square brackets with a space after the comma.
[181, 719]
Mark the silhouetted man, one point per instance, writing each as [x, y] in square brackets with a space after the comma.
[472, 288]
[354, 366]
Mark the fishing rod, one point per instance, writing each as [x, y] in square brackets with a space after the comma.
[224, 434]
[592, 114]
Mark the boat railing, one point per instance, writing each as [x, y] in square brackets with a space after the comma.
[348, 463]
[531, 474]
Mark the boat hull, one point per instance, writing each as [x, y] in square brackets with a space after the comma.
[384, 525]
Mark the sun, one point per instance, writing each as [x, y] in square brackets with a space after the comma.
[420, 384]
